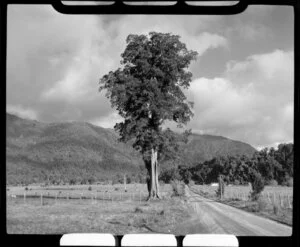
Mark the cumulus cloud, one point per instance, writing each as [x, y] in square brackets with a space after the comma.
[55, 61]
[62, 57]
[252, 102]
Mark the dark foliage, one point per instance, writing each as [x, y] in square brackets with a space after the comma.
[274, 167]
[257, 184]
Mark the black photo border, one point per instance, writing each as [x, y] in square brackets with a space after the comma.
[180, 8]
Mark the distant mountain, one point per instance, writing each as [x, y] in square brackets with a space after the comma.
[205, 147]
[38, 152]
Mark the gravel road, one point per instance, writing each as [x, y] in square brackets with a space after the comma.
[218, 218]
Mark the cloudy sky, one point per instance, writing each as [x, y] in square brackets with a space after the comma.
[242, 80]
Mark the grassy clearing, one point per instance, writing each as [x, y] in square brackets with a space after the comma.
[101, 192]
[116, 217]
[275, 202]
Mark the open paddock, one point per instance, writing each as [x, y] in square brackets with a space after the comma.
[51, 216]
[281, 195]
[92, 193]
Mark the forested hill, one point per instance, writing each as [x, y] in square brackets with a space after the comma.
[205, 147]
[77, 151]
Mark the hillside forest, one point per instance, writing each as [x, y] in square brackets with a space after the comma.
[82, 153]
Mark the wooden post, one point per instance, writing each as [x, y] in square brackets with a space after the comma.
[124, 182]
[289, 202]
[42, 199]
[24, 197]
[280, 200]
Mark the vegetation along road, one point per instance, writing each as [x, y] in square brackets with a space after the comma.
[212, 216]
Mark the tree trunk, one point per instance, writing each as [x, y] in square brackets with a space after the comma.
[152, 181]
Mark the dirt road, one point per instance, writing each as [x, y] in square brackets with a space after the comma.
[214, 217]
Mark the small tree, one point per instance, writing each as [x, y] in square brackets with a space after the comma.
[147, 91]
[257, 184]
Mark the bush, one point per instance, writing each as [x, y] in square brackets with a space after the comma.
[178, 188]
[90, 188]
[258, 185]
[290, 182]
[236, 182]
[138, 210]
[262, 204]
[72, 181]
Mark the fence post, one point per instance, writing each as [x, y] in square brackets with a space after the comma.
[280, 200]
[289, 202]
[25, 197]
[42, 199]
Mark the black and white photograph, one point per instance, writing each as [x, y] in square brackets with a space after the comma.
[172, 124]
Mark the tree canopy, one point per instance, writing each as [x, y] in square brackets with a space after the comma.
[147, 89]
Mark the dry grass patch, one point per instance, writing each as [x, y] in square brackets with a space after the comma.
[82, 216]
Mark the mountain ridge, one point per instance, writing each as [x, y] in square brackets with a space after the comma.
[76, 150]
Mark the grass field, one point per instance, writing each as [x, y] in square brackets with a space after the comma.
[51, 215]
[117, 192]
[111, 208]
[276, 202]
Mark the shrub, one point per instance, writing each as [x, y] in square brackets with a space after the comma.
[138, 210]
[178, 188]
[258, 185]
[253, 208]
[290, 182]
[236, 182]
[90, 188]
[26, 188]
[72, 181]
[262, 204]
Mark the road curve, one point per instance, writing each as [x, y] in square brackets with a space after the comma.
[217, 218]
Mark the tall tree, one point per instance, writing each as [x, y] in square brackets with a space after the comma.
[147, 91]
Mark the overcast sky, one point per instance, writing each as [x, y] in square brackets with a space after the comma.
[242, 81]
